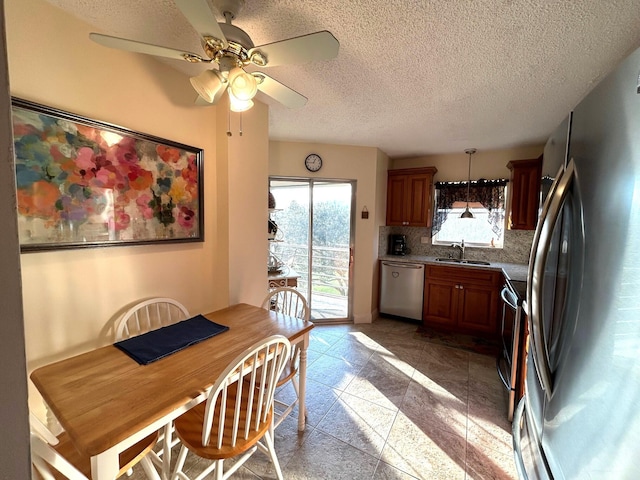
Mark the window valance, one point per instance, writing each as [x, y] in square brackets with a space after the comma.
[490, 193]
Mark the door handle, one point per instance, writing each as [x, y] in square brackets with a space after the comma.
[509, 298]
[537, 264]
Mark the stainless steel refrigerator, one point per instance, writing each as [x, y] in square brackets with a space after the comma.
[580, 416]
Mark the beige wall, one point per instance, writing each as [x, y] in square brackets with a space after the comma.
[248, 157]
[368, 167]
[490, 164]
[71, 298]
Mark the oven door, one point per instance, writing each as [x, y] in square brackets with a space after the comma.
[507, 361]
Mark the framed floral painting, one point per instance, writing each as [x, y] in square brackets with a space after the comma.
[82, 183]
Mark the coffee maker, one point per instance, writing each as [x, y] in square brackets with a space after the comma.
[397, 245]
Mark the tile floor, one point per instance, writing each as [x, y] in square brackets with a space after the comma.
[384, 403]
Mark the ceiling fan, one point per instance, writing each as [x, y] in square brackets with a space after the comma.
[231, 49]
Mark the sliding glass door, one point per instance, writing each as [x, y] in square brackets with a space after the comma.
[314, 239]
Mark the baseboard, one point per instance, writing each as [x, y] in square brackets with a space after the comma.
[366, 318]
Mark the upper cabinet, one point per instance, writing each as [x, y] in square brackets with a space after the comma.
[525, 193]
[410, 197]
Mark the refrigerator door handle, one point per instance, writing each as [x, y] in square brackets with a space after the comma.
[537, 265]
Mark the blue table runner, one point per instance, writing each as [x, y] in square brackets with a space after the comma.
[157, 344]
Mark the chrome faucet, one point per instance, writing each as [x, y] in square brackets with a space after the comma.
[461, 247]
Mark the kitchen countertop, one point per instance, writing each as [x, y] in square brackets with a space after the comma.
[513, 271]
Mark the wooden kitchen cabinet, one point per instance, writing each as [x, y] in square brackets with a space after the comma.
[410, 197]
[461, 299]
[525, 193]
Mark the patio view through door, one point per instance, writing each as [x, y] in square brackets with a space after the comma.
[314, 238]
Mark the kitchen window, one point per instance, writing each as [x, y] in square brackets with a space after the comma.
[486, 203]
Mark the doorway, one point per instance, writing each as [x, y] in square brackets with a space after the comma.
[314, 239]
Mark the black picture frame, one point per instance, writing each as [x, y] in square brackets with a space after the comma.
[84, 183]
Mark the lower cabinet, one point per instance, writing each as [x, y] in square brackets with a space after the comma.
[462, 299]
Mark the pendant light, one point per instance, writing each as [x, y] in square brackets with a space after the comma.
[467, 213]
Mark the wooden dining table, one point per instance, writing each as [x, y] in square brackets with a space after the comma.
[107, 402]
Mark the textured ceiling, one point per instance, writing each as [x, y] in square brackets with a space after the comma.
[413, 77]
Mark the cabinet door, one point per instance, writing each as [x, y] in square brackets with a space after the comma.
[440, 303]
[525, 195]
[410, 197]
[396, 195]
[477, 308]
[418, 206]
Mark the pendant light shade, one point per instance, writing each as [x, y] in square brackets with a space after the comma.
[467, 213]
[242, 85]
[210, 85]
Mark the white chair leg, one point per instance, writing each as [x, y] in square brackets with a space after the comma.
[272, 453]
[166, 450]
[149, 470]
[182, 456]
[219, 470]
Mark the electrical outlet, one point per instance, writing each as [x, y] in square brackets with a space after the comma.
[424, 239]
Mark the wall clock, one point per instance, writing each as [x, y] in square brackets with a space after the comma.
[313, 162]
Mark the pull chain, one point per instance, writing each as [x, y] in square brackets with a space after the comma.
[229, 123]
[240, 123]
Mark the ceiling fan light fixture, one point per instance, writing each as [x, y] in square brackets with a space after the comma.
[237, 105]
[242, 85]
[209, 85]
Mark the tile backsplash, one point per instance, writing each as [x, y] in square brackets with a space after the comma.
[517, 245]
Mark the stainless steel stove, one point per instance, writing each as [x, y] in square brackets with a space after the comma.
[512, 333]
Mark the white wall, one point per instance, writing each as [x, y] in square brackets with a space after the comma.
[14, 446]
[366, 165]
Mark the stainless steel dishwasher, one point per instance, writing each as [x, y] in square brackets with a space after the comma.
[401, 289]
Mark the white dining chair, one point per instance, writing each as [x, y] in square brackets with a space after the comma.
[55, 457]
[149, 315]
[238, 413]
[291, 302]
[144, 317]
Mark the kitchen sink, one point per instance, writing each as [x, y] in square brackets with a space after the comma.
[463, 261]
[475, 262]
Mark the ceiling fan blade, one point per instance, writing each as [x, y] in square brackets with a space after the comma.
[141, 47]
[202, 18]
[276, 90]
[307, 48]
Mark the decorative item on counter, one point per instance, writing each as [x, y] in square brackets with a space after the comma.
[274, 264]
[272, 200]
[273, 229]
